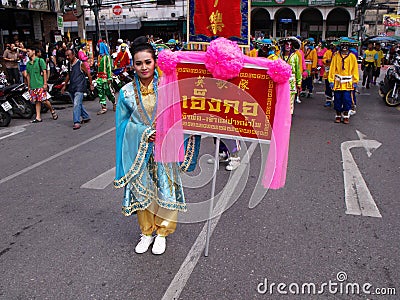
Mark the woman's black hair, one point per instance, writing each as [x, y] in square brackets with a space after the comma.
[140, 44]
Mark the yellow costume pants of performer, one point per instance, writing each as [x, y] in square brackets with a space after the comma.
[156, 218]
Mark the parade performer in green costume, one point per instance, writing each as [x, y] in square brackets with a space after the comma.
[289, 55]
[104, 76]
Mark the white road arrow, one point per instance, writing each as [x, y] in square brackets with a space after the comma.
[358, 198]
[101, 181]
[12, 131]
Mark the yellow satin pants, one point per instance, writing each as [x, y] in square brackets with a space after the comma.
[155, 218]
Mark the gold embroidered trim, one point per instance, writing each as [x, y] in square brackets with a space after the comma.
[188, 155]
[150, 194]
[137, 164]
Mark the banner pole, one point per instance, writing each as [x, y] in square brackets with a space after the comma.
[216, 166]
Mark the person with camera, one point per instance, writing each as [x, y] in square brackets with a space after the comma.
[11, 59]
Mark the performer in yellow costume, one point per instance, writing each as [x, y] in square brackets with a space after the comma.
[343, 78]
[369, 63]
[311, 59]
[326, 60]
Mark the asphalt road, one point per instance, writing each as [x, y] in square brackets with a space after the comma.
[59, 240]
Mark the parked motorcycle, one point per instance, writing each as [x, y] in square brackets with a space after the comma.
[55, 84]
[3, 79]
[91, 95]
[18, 97]
[5, 116]
[120, 78]
[389, 88]
[5, 106]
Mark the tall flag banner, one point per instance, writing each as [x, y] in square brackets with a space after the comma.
[210, 19]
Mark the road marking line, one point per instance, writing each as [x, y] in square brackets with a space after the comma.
[13, 131]
[54, 156]
[363, 94]
[101, 181]
[358, 198]
[181, 277]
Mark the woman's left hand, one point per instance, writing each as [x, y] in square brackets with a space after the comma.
[152, 138]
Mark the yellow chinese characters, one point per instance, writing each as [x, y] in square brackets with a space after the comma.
[244, 84]
[200, 81]
[216, 24]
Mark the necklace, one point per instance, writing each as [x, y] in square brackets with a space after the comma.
[287, 57]
[155, 85]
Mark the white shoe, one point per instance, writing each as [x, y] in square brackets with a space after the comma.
[319, 81]
[352, 112]
[234, 162]
[222, 157]
[144, 243]
[298, 100]
[160, 243]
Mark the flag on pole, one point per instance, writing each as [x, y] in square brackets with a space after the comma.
[210, 19]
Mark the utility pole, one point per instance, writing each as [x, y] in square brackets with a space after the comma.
[397, 31]
[81, 20]
[376, 19]
[95, 7]
[363, 8]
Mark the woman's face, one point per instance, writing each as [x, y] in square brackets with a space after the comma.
[144, 64]
[288, 46]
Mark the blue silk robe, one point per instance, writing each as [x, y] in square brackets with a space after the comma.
[144, 179]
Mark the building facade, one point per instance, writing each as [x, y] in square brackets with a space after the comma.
[307, 18]
[276, 18]
[373, 17]
[164, 21]
[28, 20]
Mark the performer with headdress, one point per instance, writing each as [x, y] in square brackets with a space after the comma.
[321, 49]
[104, 77]
[343, 78]
[267, 49]
[327, 59]
[79, 46]
[289, 55]
[153, 189]
[354, 50]
[311, 58]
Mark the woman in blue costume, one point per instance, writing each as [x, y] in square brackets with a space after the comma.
[153, 190]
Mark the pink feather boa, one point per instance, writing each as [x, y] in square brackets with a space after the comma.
[224, 59]
[167, 61]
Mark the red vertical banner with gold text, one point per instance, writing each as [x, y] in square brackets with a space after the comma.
[241, 107]
[209, 19]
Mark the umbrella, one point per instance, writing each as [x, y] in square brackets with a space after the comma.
[381, 39]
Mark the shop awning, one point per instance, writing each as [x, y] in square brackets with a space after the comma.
[124, 24]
